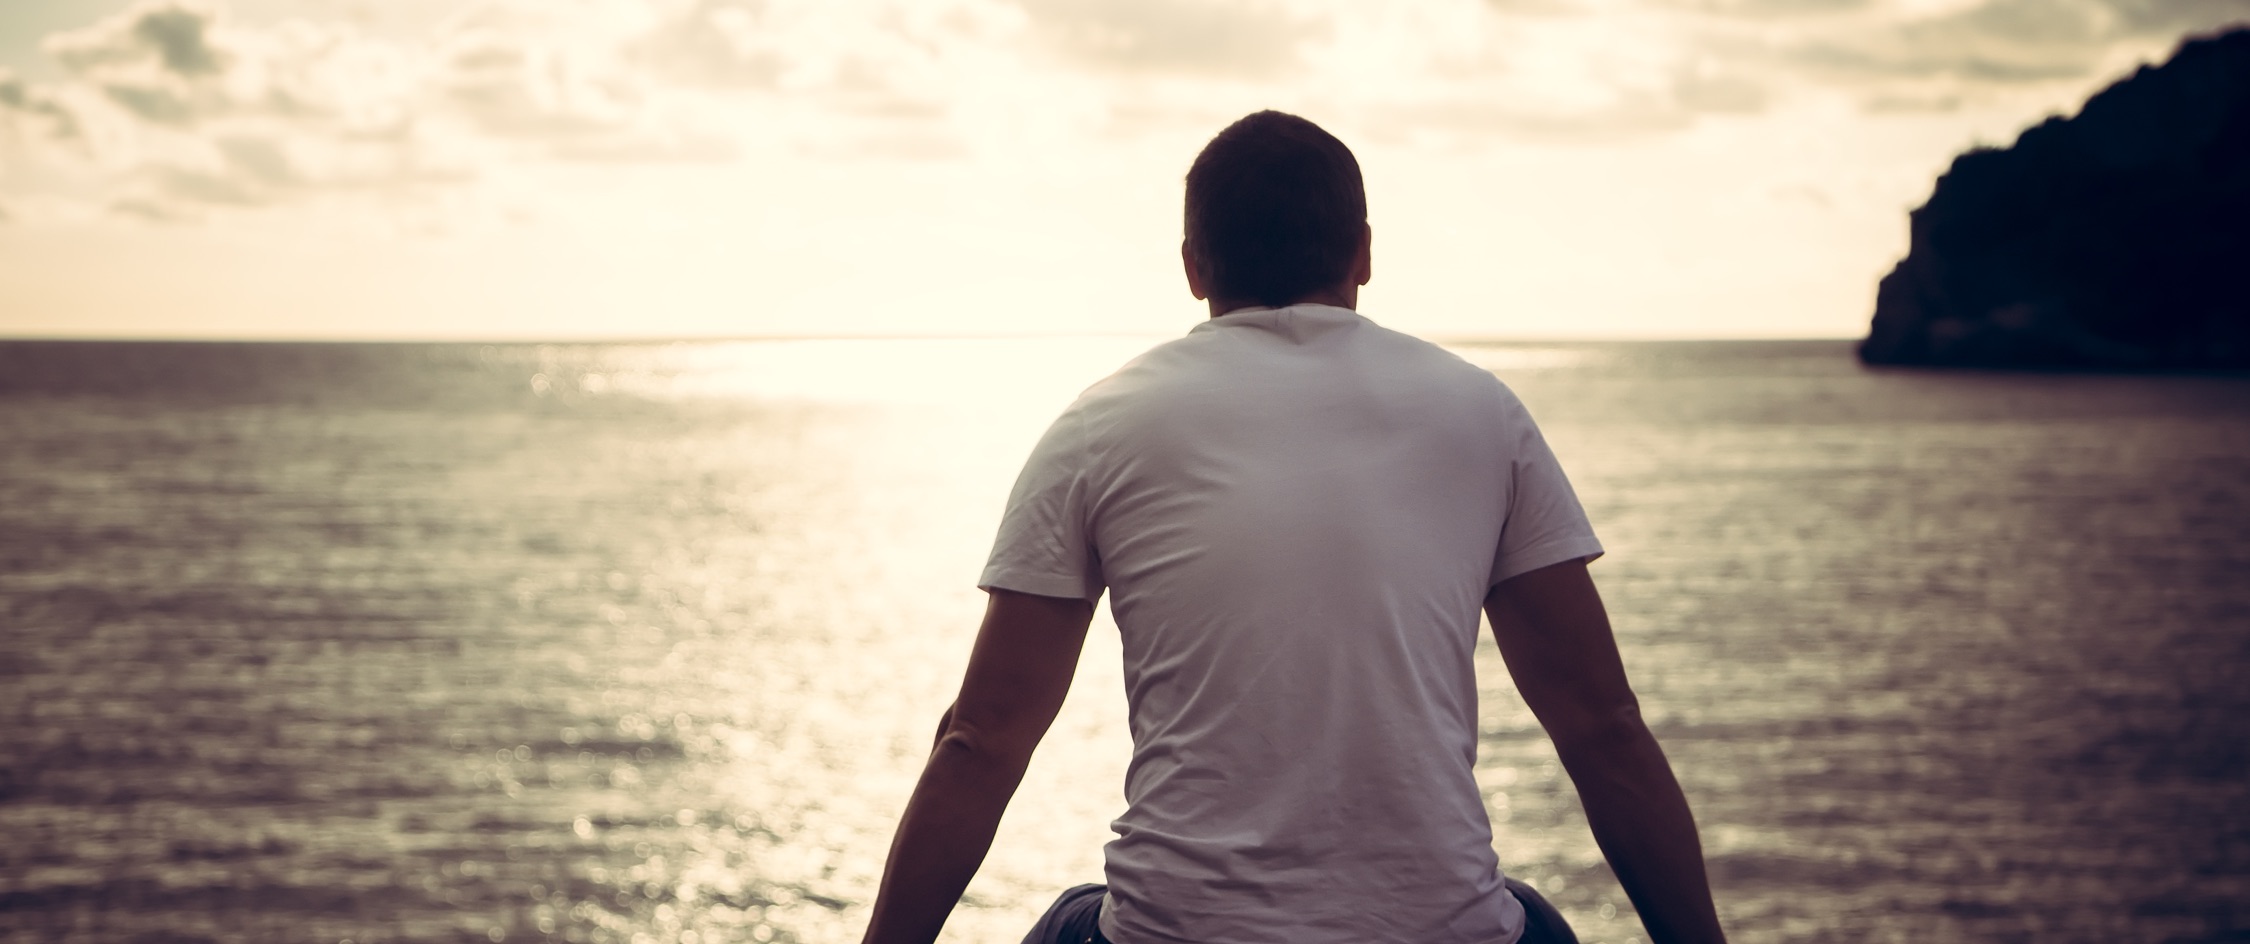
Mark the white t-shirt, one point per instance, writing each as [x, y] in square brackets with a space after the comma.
[1297, 514]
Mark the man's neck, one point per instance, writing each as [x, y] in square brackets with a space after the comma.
[1338, 296]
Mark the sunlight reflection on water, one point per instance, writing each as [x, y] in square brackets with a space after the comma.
[927, 371]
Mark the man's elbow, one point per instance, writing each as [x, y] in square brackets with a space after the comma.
[963, 740]
[1597, 730]
[944, 724]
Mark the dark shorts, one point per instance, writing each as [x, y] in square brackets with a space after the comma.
[1075, 918]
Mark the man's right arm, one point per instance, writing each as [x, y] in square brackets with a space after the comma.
[1554, 634]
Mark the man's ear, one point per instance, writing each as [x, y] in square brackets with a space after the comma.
[1194, 269]
[1363, 262]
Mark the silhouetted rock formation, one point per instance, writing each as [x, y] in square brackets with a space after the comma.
[2116, 239]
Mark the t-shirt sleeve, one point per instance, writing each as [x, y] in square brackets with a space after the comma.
[1544, 522]
[1044, 546]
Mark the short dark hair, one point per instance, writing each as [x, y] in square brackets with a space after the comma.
[1275, 209]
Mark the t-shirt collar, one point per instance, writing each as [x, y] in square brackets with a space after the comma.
[1288, 319]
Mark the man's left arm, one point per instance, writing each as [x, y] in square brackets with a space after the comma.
[1020, 669]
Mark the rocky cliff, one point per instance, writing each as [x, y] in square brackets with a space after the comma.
[2116, 239]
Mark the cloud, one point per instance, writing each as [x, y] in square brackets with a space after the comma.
[1703, 87]
[1627, 117]
[1246, 38]
[1744, 56]
[851, 79]
[1675, 100]
[1994, 44]
[1764, 9]
[22, 103]
[152, 211]
[182, 106]
[2173, 17]
[179, 106]
[155, 60]
[1582, 75]
[2004, 41]
[718, 43]
[1535, 7]
[176, 39]
[569, 102]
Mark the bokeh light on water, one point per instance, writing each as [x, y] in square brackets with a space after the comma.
[645, 642]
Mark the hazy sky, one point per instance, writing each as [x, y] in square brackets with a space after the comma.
[567, 168]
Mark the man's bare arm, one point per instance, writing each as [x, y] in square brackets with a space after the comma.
[1555, 635]
[1018, 673]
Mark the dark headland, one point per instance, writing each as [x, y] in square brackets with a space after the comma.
[2118, 239]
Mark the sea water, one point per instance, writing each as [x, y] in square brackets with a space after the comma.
[645, 642]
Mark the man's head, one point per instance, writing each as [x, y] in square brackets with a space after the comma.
[1276, 213]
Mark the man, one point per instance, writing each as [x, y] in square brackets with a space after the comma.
[1297, 515]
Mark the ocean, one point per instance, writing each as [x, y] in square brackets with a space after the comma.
[645, 642]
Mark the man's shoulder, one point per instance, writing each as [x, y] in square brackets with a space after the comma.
[1399, 343]
[1166, 367]
[1438, 371]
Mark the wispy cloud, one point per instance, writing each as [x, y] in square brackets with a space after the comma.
[26, 109]
[1961, 51]
[561, 96]
[180, 107]
[1663, 63]
[1259, 39]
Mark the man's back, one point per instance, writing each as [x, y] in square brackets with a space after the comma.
[1297, 514]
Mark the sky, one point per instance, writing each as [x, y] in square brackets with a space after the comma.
[559, 169]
